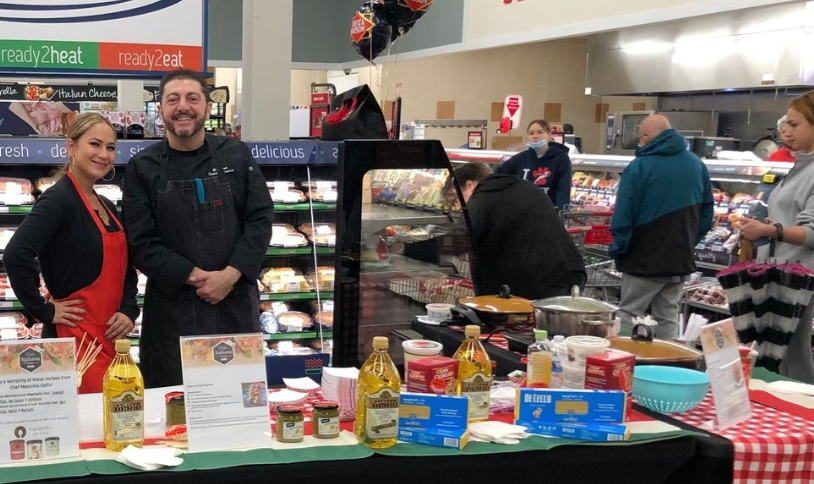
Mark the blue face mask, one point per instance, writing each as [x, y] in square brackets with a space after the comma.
[537, 145]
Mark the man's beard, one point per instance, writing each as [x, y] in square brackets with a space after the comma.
[186, 133]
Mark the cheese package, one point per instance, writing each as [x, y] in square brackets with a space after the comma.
[565, 405]
[580, 431]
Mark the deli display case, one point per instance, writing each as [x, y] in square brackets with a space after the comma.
[400, 245]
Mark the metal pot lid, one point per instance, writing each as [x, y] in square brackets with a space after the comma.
[574, 304]
[503, 303]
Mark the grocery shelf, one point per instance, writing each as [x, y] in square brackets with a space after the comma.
[710, 266]
[10, 304]
[295, 296]
[300, 251]
[303, 335]
[15, 209]
[376, 217]
[302, 207]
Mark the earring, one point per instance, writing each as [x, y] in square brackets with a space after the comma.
[112, 176]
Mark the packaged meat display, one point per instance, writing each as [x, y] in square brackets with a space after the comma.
[712, 294]
[283, 280]
[36, 330]
[13, 326]
[284, 235]
[323, 240]
[320, 229]
[16, 191]
[294, 322]
[321, 278]
[284, 192]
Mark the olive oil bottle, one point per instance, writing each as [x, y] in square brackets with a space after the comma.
[123, 394]
[377, 393]
[474, 374]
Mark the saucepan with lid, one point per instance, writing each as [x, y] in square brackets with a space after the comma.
[500, 311]
[574, 315]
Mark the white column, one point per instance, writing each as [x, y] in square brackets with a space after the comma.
[131, 96]
[267, 30]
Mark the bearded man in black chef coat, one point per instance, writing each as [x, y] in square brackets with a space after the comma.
[198, 219]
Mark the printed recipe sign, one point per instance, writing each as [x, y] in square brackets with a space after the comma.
[226, 395]
[39, 419]
[729, 388]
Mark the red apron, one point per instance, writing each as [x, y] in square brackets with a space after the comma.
[101, 299]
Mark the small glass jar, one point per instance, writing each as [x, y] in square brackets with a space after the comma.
[325, 419]
[175, 413]
[290, 426]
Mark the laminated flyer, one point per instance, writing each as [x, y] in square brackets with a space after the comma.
[39, 419]
[729, 389]
[226, 395]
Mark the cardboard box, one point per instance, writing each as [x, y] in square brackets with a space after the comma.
[454, 439]
[580, 431]
[295, 366]
[612, 370]
[435, 374]
[418, 410]
[564, 405]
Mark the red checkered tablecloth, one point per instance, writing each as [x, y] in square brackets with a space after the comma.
[772, 446]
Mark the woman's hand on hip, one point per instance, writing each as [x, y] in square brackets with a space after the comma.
[118, 326]
[66, 312]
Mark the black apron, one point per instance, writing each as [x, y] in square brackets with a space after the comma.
[196, 219]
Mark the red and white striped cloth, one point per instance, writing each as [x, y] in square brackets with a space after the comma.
[772, 446]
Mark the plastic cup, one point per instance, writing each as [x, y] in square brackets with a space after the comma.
[439, 312]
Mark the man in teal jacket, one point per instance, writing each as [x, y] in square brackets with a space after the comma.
[663, 210]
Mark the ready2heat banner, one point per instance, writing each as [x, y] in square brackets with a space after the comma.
[143, 38]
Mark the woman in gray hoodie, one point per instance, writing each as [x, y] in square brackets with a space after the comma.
[791, 214]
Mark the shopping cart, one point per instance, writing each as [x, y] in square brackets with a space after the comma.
[604, 281]
[598, 239]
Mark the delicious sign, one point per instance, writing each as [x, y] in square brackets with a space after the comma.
[80, 37]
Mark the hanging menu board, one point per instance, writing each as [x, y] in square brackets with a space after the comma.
[98, 37]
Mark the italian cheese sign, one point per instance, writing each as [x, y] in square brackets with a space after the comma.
[143, 38]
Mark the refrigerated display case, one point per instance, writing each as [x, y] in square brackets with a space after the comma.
[739, 187]
[400, 246]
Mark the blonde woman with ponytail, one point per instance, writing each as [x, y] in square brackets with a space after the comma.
[79, 241]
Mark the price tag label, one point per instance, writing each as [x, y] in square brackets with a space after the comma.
[330, 196]
[280, 188]
[292, 284]
[324, 230]
[331, 240]
[278, 308]
[324, 186]
[8, 334]
[9, 294]
[290, 197]
[13, 188]
[291, 242]
[327, 305]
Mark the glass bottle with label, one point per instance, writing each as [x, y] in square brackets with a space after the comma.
[377, 393]
[474, 374]
[123, 397]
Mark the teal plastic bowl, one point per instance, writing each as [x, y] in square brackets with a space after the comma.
[669, 389]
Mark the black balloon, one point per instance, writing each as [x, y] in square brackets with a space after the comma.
[370, 31]
[403, 14]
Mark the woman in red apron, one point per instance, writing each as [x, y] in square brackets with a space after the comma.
[82, 251]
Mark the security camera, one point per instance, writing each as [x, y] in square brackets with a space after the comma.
[347, 71]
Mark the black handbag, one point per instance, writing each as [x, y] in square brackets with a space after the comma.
[355, 114]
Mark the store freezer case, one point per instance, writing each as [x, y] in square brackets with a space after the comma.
[391, 195]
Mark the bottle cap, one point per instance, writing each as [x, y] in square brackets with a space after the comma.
[122, 346]
[380, 343]
[540, 334]
[472, 331]
[559, 338]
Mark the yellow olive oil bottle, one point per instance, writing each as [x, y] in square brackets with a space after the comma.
[474, 374]
[377, 393]
[123, 394]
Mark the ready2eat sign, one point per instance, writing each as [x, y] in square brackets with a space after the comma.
[143, 38]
